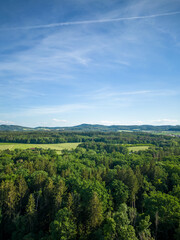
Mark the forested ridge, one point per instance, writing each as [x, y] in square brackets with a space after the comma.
[93, 127]
[100, 190]
[43, 137]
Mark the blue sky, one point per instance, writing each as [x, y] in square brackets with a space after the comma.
[64, 63]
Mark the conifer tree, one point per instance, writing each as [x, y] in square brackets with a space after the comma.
[30, 211]
[8, 196]
[95, 210]
[21, 188]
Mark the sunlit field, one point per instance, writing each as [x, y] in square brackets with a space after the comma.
[138, 148]
[58, 147]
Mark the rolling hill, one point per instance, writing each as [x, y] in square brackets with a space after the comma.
[94, 127]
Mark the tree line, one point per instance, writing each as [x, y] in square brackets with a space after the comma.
[45, 137]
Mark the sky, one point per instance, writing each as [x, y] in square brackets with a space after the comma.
[65, 62]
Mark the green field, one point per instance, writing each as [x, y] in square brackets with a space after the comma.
[138, 148]
[58, 147]
[165, 133]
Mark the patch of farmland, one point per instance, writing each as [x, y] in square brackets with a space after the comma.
[138, 148]
[58, 147]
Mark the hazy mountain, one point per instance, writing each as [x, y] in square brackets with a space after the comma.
[14, 128]
[94, 127]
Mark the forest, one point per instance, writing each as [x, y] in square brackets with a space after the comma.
[45, 137]
[101, 190]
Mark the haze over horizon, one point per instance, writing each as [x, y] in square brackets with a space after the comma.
[64, 63]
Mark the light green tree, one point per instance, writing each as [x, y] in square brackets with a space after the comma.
[63, 227]
[31, 211]
[95, 211]
[124, 231]
[143, 229]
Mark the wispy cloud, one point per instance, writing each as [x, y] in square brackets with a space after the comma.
[106, 93]
[48, 110]
[165, 121]
[17, 91]
[6, 122]
[61, 56]
[109, 123]
[59, 120]
[139, 122]
[91, 21]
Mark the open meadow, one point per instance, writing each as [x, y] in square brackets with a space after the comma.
[138, 148]
[58, 147]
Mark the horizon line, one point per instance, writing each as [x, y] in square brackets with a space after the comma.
[154, 125]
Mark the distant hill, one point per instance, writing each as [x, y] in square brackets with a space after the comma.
[14, 128]
[113, 128]
[94, 127]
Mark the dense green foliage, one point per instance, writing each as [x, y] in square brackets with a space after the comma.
[100, 190]
[43, 137]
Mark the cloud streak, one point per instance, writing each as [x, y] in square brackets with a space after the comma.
[91, 21]
[47, 110]
[59, 120]
[165, 122]
[6, 122]
[107, 93]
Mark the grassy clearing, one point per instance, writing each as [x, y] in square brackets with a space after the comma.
[58, 147]
[171, 133]
[138, 148]
[165, 133]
